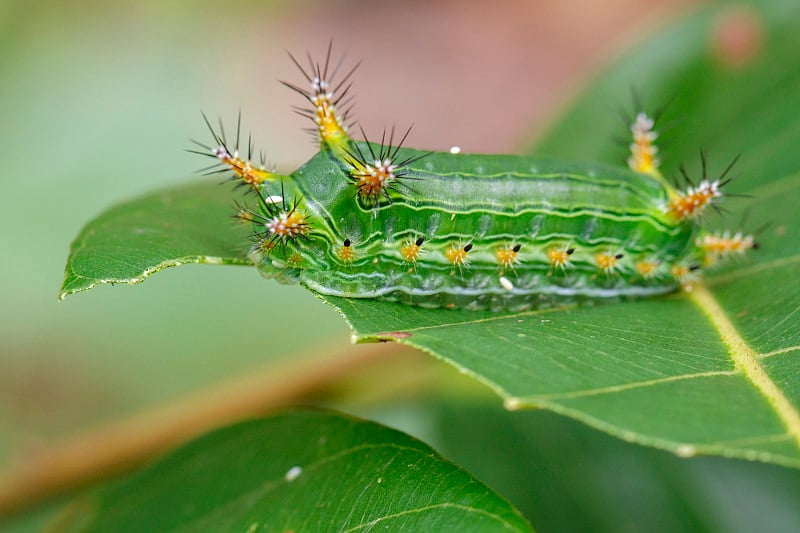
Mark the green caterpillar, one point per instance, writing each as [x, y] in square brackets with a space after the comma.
[499, 232]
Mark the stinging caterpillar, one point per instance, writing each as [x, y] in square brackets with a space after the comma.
[443, 229]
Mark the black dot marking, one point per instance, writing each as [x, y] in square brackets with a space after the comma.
[619, 256]
[420, 241]
[517, 248]
[347, 243]
[570, 251]
[468, 247]
[756, 245]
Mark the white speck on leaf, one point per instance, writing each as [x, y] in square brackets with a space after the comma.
[293, 473]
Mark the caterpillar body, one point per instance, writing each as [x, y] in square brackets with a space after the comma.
[444, 229]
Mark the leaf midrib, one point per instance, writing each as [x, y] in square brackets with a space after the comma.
[746, 359]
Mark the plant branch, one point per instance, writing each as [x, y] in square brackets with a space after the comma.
[119, 447]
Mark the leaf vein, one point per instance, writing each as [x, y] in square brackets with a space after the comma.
[532, 312]
[269, 485]
[778, 352]
[627, 386]
[430, 507]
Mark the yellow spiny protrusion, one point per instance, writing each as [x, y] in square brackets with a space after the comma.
[559, 257]
[294, 260]
[647, 268]
[346, 253]
[244, 169]
[683, 273]
[457, 255]
[332, 130]
[608, 262]
[508, 257]
[643, 152]
[411, 250]
[330, 124]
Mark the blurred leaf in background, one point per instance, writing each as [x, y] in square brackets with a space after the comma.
[564, 476]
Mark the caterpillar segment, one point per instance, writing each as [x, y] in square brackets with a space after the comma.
[471, 231]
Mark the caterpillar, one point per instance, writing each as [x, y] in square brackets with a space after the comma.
[379, 220]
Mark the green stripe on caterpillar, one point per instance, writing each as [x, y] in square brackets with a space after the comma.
[453, 230]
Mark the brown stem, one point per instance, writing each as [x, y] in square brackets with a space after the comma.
[118, 447]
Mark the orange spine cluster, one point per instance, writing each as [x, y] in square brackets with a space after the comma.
[373, 179]
[288, 224]
[688, 204]
[720, 245]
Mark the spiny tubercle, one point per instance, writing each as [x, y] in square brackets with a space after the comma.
[643, 150]
[689, 204]
[683, 204]
[249, 174]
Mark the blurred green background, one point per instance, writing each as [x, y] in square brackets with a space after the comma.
[97, 100]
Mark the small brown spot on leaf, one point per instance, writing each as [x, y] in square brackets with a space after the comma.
[385, 336]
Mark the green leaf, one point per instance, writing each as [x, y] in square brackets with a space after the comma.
[299, 471]
[714, 371]
[132, 240]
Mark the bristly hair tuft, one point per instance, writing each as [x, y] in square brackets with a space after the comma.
[375, 168]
